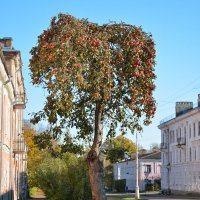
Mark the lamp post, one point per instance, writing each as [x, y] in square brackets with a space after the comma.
[137, 191]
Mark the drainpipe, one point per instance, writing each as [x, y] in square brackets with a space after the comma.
[11, 151]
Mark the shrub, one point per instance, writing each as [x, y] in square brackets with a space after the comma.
[108, 178]
[157, 185]
[120, 185]
[64, 179]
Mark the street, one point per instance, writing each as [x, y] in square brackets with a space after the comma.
[149, 196]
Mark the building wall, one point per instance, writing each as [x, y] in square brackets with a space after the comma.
[127, 170]
[181, 163]
[11, 120]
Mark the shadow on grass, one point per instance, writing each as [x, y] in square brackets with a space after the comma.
[122, 198]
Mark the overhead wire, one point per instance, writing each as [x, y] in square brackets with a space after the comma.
[172, 98]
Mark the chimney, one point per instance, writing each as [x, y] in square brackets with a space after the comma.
[6, 41]
[198, 100]
[183, 107]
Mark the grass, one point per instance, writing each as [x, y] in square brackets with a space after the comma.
[121, 198]
[33, 191]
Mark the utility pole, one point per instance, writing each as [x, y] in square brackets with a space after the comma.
[137, 190]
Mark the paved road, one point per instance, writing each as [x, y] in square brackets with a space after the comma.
[149, 196]
[168, 197]
[152, 196]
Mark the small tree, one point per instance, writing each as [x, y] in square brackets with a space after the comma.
[96, 76]
[119, 146]
[34, 155]
[64, 179]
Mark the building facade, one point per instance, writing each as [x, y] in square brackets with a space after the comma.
[12, 104]
[149, 166]
[180, 145]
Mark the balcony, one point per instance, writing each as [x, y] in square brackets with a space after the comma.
[163, 146]
[181, 142]
[19, 146]
[19, 102]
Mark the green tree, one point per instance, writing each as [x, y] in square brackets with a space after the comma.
[34, 155]
[119, 146]
[109, 178]
[70, 145]
[96, 76]
[64, 179]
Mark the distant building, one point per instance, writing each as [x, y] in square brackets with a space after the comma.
[149, 170]
[180, 145]
[12, 104]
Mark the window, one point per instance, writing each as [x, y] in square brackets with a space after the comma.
[170, 157]
[198, 153]
[190, 154]
[185, 132]
[170, 139]
[184, 155]
[194, 129]
[148, 168]
[199, 128]
[190, 132]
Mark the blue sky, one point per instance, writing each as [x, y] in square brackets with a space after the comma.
[175, 25]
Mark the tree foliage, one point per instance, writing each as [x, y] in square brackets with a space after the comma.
[34, 155]
[71, 145]
[80, 63]
[64, 179]
[119, 146]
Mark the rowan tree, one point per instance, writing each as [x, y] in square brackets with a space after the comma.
[96, 76]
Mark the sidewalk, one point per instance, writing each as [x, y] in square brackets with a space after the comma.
[37, 198]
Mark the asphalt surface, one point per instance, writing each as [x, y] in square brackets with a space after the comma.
[149, 196]
[152, 196]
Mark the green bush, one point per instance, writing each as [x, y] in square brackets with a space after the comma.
[108, 178]
[149, 187]
[157, 185]
[64, 179]
[120, 185]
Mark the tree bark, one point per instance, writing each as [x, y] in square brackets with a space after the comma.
[95, 165]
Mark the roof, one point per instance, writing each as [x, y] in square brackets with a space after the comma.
[174, 118]
[155, 155]
[152, 155]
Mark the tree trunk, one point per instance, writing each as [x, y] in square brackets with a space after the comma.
[94, 163]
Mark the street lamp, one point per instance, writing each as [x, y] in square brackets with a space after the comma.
[137, 190]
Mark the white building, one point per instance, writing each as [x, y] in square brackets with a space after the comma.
[180, 145]
[12, 104]
[149, 170]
